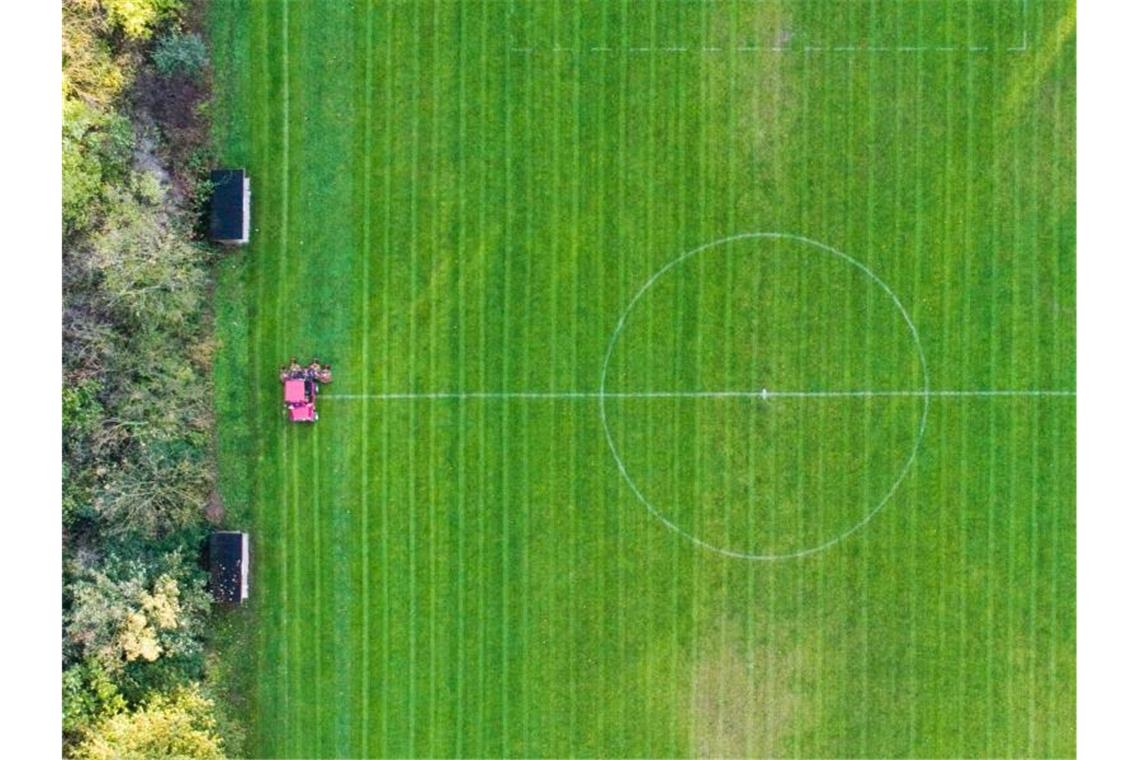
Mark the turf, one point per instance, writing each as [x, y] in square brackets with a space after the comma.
[466, 197]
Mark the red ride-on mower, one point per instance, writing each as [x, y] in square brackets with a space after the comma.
[301, 400]
[301, 385]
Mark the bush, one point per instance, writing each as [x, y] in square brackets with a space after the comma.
[92, 70]
[82, 413]
[178, 54]
[138, 18]
[179, 725]
[96, 151]
[88, 696]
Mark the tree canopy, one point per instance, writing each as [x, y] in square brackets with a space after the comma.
[136, 400]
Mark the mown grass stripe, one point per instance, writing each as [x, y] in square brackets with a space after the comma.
[365, 438]
[433, 558]
[1010, 434]
[316, 552]
[992, 433]
[945, 274]
[288, 665]
[507, 470]
[866, 433]
[965, 367]
[481, 745]
[726, 422]
[526, 692]
[460, 616]
[385, 442]
[259, 44]
[1035, 462]
[550, 286]
[504, 528]
[413, 506]
[811, 217]
[1057, 182]
[675, 606]
[864, 561]
[913, 595]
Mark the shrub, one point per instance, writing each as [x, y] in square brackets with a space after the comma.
[179, 725]
[138, 18]
[92, 71]
[96, 151]
[178, 54]
[88, 696]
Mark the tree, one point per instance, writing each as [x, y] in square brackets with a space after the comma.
[161, 491]
[122, 612]
[149, 274]
[179, 725]
[136, 398]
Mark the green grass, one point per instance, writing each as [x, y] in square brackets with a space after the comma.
[436, 212]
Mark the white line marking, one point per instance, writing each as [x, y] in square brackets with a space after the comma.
[763, 394]
[819, 247]
[1024, 29]
[756, 49]
[815, 49]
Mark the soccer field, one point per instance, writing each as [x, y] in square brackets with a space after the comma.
[705, 375]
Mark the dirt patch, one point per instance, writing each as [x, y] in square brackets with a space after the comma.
[746, 703]
[215, 511]
[760, 82]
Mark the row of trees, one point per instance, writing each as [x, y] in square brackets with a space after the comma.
[137, 409]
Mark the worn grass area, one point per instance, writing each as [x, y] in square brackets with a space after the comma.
[466, 197]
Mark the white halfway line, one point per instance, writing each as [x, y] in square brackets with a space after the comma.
[763, 394]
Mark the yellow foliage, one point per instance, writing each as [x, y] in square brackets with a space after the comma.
[159, 609]
[179, 725]
[137, 18]
[91, 70]
[162, 606]
[139, 639]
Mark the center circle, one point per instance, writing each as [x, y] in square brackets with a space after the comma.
[764, 395]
